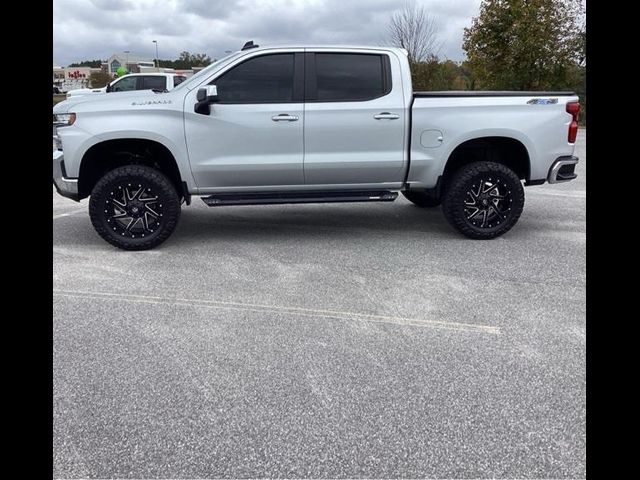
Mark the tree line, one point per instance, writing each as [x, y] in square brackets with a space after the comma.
[510, 45]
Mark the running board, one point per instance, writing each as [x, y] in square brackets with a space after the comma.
[271, 198]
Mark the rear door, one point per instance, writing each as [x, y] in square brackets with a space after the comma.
[354, 119]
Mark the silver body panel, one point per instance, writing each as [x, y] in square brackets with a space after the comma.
[332, 145]
[344, 144]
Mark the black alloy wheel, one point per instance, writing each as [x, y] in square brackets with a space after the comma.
[483, 200]
[488, 202]
[134, 207]
[133, 210]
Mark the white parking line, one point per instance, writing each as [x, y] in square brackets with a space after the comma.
[306, 312]
[556, 193]
[74, 212]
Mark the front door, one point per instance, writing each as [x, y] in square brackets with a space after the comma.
[125, 84]
[253, 136]
[354, 119]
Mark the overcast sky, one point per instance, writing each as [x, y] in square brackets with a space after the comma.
[89, 29]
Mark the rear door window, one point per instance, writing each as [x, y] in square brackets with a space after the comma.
[153, 82]
[348, 77]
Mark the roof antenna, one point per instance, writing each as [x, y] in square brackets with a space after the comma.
[249, 45]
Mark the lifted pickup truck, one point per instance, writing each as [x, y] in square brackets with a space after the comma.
[309, 124]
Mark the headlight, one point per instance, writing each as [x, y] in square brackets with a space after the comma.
[64, 119]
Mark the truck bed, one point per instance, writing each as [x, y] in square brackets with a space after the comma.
[442, 121]
[489, 93]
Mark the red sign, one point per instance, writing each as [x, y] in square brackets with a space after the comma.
[76, 74]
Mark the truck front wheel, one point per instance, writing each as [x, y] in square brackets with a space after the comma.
[483, 200]
[134, 207]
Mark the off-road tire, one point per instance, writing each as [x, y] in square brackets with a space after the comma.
[422, 198]
[117, 194]
[481, 186]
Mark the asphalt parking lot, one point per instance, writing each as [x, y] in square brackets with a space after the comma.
[342, 340]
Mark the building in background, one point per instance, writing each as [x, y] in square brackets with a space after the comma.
[58, 74]
[133, 63]
[69, 78]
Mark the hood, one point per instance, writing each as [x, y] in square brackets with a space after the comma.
[113, 97]
[82, 91]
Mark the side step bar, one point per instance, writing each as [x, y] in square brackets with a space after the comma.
[271, 198]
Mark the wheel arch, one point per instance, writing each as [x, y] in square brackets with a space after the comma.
[504, 149]
[107, 154]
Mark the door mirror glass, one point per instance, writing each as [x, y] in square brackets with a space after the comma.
[208, 94]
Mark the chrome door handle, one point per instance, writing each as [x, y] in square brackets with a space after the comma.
[386, 116]
[284, 117]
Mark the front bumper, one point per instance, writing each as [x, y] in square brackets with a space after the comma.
[67, 187]
[563, 170]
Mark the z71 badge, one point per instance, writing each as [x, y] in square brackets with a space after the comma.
[542, 101]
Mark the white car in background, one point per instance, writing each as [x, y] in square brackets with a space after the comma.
[134, 81]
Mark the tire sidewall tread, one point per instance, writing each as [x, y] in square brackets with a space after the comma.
[456, 190]
[170, 199]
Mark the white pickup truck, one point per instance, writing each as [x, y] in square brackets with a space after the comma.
[134, 81]
[308, 124]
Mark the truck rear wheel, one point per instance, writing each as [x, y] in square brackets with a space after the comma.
[134, 207]
[422, 198]
[483, 200]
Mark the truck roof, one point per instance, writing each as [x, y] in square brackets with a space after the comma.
[158, 74]
[325, 45]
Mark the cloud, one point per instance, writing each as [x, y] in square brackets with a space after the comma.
[115, 5]
[88, 29]
[209, 9]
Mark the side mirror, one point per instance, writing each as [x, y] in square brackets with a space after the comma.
[109, 88]
[208, 94]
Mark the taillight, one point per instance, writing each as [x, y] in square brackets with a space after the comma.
[574, 109]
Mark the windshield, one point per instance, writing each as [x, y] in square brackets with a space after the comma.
[195, 79]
